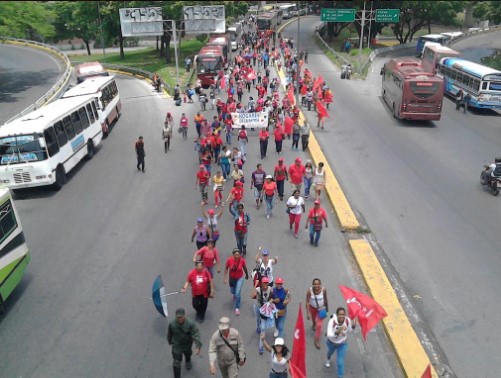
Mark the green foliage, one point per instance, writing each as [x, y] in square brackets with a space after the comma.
[26, 19]
[76, 19]
[488, 10]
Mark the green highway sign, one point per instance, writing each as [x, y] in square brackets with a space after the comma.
[337, 15]
[387, 15]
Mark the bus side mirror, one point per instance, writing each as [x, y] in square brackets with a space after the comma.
[382, 71]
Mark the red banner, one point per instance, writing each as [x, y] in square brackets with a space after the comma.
[298, 358]
[368, 311]
[322, 112]
[290, 96]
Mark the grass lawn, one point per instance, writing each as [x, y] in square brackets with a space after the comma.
[148, 59]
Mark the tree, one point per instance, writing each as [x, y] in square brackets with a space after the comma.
[414, 15]
[26, 19]
[488, 10]
[77, 19]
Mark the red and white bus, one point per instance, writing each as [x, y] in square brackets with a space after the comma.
[410, 91]
[209, 62]
[89, 69]
[224, 41]
[433, 53]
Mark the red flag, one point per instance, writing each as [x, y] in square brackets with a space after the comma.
[368, 311]
[290, 96]
[288, 124]
[323, 113]
[223, 82]
[319, 80]
[427, 372]
[298, 358]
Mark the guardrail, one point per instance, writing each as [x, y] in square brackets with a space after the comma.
[57, 88]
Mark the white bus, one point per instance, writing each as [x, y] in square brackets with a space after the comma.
[105, 88]
[235, 32]
[288, 10]
[14, 253]
[41, 147]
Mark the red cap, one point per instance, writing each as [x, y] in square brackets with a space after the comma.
[238, 183]
[211, 211]
[265, 280]
[202, 166]
[281, 159]
[298, 160]
[317, 202]
[279, 280]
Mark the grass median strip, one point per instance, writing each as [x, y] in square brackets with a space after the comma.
[404, 339]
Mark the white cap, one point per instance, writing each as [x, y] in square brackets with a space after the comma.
[279, 341]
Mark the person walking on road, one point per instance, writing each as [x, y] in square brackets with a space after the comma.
[241, 221]
[261, 293]
[264, 265]
[167, 131]
[337, 333]
[279, 361]
[280, 175]
[202, 287]
[278, 134]
[309, 172]
[140, 153]
[234, 197]
[296, 174]
[227, 348]
[202, 182]
[466, 102]
[257, 182]
[182, 334]
[264, 135]
[234, 271]
[319, 180]
[459, 99]
[243, 139]
[270, 194]
[183, 126]
[218, 181]
[316, 217]
[201, 232]
[212, 222]
[305, 136]
[317, 308]
[281, 298]
[295, 207]
[210, 257]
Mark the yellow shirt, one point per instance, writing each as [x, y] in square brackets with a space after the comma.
[218, 182]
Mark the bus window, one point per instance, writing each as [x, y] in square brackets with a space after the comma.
[77, 124]
[51, 141]
[61, 135]
[84, 118]
[68, 128]
[96, 115]
[90, 114]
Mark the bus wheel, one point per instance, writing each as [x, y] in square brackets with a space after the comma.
[394, 112]
[91, 150]
[107, 131]
[60, 177]
[2, 307]
[118, 113]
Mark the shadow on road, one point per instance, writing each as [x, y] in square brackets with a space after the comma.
[15, 83]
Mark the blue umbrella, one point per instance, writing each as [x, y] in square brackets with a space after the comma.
[159, 296]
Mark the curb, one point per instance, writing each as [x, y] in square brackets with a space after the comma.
[408, 349]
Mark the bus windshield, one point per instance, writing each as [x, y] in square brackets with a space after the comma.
[263, 23]
[208, 65]
[21, 149]
[423, 89]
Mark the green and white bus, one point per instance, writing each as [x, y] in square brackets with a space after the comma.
[14, 254]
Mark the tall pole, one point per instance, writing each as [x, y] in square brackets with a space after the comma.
[360, 46]
[101, 26]
[371, 17]
[174, 39]
[297, 54]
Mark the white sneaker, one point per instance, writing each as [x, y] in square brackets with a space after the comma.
[327, 364]
[275, 334]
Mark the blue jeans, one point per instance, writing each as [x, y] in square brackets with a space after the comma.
[277, 375]
[233, 208]
[236, 291]
[280, 324]
[225, 168]
[241, 239]
[314, 235]
[260, 323]
[341, 352]
[228, 137]
[280, 188]
[307, 185]
[243, 147]
[269, 204]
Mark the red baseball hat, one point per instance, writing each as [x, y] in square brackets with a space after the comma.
[298, 160]
[279, 280]
[317, 202]
[281, 159]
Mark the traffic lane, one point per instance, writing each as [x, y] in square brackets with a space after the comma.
[87, 310]
[26, 75]
[430, 188]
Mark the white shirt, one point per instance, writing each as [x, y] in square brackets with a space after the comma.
[319, 298]
[266, 270]
[297, 203]
[343, 329]
[319, 176]
[278, 366]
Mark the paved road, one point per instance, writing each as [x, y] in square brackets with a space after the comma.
[476, 47]
[26, 75]
[83, 310]
[417, 186]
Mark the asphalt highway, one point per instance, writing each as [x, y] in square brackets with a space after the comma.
[26, 74]
[83, 309]
[416, 184]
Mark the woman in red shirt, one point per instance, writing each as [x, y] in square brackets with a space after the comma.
[278, 133]
[280, 176]
[264, 135]
[208, 254]
[269, 194]
[316, 216]
[202, 287]
[236, 267]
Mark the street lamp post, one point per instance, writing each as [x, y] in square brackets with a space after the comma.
[297, 55]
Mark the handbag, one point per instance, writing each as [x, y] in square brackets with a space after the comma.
[322, 312]
[235, 351]
[288, 209]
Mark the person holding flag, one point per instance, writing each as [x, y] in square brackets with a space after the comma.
[337, 333]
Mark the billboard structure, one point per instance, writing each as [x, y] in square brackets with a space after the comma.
[136, 22]
[204, 19]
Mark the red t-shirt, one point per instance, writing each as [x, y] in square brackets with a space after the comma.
[263, 134]
[280, 172]
[203, 177]
[199, 282]
[279, 134]
[296, 173]
[208, 256]
[269, 187]
[236, 268]
[237, 193]
[317, 216]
